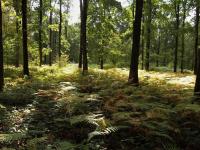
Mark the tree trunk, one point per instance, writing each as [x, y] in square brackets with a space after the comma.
[81, 49]
[148, 44]
[177, 11]
[196, 37]
[1, 52]
[142, 47]
[133, 75]
[50, 35]
[24, 32]
[84, 35]
[17, 45]
[183, 36]
[40, 30]
[158, 49]
[60, 31]
[101, 63]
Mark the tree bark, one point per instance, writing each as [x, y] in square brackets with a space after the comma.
[142, 45]
[158, 49]
[133, 74]
[24, 32]
[17, 45]
[177, 11]
[148, 44]
[183, 36]
[50, 35]
[84, 35]
[60, 31]
[196, 37]
[81, 39]
[40, 31]
[1, 51]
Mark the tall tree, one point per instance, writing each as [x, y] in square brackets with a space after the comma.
[40, 30]
[177, 12]
[84, 34]
[196, 36]
[24, 32]
[17, 42]
[81, 39]
[184, 3]
[60, 31]
[148, 38]
[142, 44]
[1, 51]
[133, 75]
[50, 34]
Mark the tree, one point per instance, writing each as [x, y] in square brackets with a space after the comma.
[1, 51]
[50, 34]
[84, 34]
[60, 32]
[40, 31]
[81, 39]
[148, 42]
[24, 32]
[177, 12]
[184, 3]
[17, 44]
[197, 83]
[196, 37]
[133, 75]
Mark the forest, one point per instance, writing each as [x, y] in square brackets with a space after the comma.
[125, 76]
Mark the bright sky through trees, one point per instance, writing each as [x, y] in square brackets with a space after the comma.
[75, 10]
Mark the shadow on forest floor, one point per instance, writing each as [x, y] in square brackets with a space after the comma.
[58, 108]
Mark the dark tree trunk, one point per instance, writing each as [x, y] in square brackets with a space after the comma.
[177, 11]
[50, 35]
[197, 84]
[196, 37]
[133, 75]
[148, 44]
[60, 31]
[1, 52]
[81, 39]
[142, 47]
[158, 49]
[40, 30]
[17, 46]
[183, 36]
[24, 32]
[84, 35]
[101, 63]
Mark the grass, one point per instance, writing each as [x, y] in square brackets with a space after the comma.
[59, 108]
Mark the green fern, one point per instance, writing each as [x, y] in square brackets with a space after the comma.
[8, 138]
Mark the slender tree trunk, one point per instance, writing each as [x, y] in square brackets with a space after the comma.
[81, 39]
[196, 37]
[148, 44]
[142, 47]
[1, 51]
[133, 75]
[183, 36]
[40, 30]
[60, 31]
[17, 46]
[101, 63]
[197, 84]
[177, 10]
[158, 49]
[84, 36]
[50, 35]
[24, 32]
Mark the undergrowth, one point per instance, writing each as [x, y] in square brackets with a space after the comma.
[59, 108]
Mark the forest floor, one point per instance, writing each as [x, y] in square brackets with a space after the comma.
[59, 108]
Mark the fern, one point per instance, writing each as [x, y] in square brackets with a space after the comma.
[104, 132]
[8, 138]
